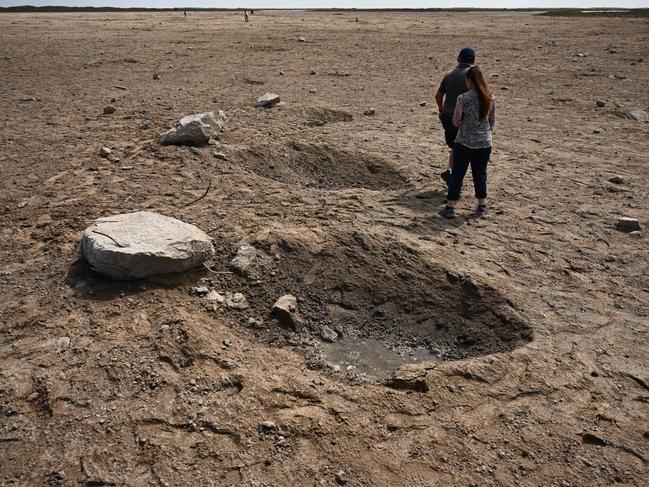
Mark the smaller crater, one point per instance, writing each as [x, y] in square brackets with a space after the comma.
[321, 166]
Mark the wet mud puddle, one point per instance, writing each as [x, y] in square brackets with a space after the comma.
[372, 357]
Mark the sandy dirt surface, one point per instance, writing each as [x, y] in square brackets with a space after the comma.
[536, 316]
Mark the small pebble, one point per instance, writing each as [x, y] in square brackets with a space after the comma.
[108, 109]
[340, 478]
[616, 180]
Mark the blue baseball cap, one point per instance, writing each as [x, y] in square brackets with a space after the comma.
[466, 55]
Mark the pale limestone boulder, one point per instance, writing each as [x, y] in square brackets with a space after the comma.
[638, 115]
[142, 244]
[268, 100]
[195, 129]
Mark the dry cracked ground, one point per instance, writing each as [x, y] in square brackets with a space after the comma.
[528, 329]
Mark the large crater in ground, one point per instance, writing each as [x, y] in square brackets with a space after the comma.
[369, 288]
[320, 166]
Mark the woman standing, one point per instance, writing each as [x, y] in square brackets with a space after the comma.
[475, 116]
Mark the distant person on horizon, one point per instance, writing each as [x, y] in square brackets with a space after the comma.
[245, 15]
[475, 117]
[453, 85]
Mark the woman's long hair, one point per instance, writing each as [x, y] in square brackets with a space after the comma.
[484, 93]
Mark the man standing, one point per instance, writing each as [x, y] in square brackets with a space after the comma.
[453, 85]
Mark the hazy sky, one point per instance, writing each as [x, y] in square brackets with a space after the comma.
[338, 3]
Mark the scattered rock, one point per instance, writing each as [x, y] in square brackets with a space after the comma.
[156, 76]
[408, 377]
[369, 111]
[120, 87]
[610, 258]
[63, 342]
[243, 260]
[105, 152]
[221, 156]
[58, 475]
[237, 301]
[627, 224]
[113, 100]
[212, 142]
[301, 39]
[267, 426]
[638, 115]
[340, 478]
[142, 244]
[127, 168]
[195, 129]
[616, 180]
[227, 364]
[26, 98]
[144, 124]
[214, 297]
[268, 100]
[327, 334]
[600, 103]
[312, 72]
[423, 103]
[200, 290]
[592, 439]
[313, 91]
[108, 109]
[285, 310]
[22, 204]
[255, 323]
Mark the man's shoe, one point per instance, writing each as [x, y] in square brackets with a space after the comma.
[447, 212]
[481, 211]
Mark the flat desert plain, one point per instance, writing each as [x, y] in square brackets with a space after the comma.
[508, 350]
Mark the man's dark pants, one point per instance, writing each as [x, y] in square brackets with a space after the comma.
[462, 157]
[450, 130]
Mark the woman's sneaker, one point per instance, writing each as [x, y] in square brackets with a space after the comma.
[447, 212]
[481, 211]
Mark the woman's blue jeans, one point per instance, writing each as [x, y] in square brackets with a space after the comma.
[462, 157]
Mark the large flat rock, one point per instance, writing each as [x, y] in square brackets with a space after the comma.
[142, 244]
